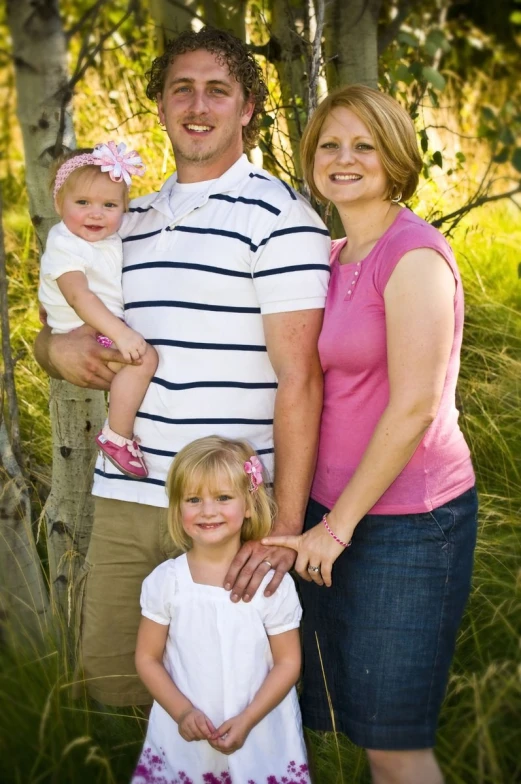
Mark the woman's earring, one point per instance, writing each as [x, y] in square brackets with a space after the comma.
[397, 199]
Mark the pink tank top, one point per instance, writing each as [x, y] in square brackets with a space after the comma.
[353, 354]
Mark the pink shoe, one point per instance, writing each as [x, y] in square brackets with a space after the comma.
[124, 453]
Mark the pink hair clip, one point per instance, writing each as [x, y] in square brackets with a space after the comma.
[253, 467]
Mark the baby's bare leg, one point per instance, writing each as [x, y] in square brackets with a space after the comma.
[128, 390]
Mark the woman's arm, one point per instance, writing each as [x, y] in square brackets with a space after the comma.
[419, 309]
[75, 288]
[150, 647]
[285, 649]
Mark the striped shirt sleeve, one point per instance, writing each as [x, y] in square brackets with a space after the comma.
[290, 267]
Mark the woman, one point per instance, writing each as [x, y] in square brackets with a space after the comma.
[394, 477]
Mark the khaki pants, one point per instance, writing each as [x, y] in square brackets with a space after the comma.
[128, 541]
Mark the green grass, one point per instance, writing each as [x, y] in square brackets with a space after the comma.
[49, 738]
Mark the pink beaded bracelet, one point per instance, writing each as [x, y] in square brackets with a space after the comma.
[335, 537]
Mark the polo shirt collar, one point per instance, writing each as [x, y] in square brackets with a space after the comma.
[227, 182]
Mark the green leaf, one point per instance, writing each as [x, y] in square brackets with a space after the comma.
[416, 70]
[506, 136]
[434, 77]
[424, 140]
[407, 38]
[515, 17]
[437, 159]
[267, 121]
[516, 159]
[502, 156]
[434, 98]
[460, 157]
[402, 74]
[487, 113]
[437, 40]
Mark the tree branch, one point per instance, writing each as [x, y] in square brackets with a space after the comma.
[391, 31]
[80, 23]
[458, 214]
[85, 60]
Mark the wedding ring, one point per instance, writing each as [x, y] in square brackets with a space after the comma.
[314, 569]
[269, 564]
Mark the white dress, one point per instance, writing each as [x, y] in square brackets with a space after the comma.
[218, 655]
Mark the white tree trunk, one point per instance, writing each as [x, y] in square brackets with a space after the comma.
[172, 18]
[44, 112]
[351, 42]
[24, 600]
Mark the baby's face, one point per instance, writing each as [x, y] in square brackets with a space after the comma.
[92, 208]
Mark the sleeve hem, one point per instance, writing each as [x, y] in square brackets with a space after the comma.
[156, 618]
[55, 274]
[287, 306]
[281, 629]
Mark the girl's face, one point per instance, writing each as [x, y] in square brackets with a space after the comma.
[214, 515]
[92, 206]
[347, 167]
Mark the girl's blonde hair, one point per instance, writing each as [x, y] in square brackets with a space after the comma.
[392, 130]
[89, 172]
[204, 463]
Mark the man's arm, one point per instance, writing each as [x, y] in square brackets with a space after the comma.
[76, 357]
[292, 343]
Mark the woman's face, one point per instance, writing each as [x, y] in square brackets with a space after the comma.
[347, 168]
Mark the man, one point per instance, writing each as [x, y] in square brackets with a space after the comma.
[225, 273]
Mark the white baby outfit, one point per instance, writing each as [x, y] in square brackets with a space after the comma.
[218, 655]
[100, 261]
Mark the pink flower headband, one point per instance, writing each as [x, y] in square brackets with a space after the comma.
[113, 159]
[253, 467]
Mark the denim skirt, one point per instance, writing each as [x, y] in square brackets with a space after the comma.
[378, 644]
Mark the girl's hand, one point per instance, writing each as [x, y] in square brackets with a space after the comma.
[231, 735]
[193, 724]
[131, 344]
[314, 548]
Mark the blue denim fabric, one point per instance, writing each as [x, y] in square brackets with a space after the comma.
[387, 627]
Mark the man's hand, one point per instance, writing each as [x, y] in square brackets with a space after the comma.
[251, 565]
[195, 725]
[77, 357]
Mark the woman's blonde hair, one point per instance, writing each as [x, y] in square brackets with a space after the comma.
[203, 463]
[391, 128]
[89, 172]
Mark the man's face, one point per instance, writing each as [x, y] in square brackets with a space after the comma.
[204, 111]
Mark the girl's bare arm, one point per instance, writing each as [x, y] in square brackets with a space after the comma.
[151, 640]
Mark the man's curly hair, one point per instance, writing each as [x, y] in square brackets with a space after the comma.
[230, 51]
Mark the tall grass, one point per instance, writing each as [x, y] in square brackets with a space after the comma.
[46, 737]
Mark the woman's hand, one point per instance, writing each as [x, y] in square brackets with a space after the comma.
[315, 548]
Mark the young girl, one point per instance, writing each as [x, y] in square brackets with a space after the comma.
[80, 282]
[222, 674]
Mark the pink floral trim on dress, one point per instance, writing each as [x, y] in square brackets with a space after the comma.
[151, 767]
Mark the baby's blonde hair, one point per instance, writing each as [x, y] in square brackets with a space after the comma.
[203, 463]
[89, 172]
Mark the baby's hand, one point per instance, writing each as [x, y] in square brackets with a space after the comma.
[131, 344]
[194, 725]
[231, 735]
